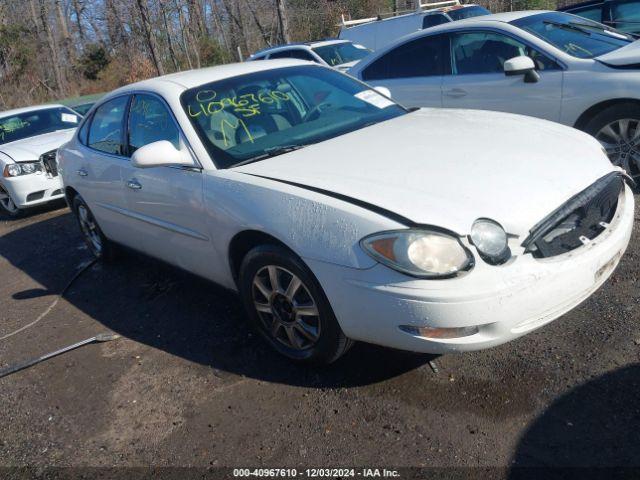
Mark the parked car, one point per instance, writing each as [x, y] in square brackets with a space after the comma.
[340, 54]
[82, 104]
[376, 33]
[29, 138]
[623, 15]
[550, 65]
[338, 215]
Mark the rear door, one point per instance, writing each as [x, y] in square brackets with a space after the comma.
[478, 80]
[165, 205]
[413, 71]
[98, 167]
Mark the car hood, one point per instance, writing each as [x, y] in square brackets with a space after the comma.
[448, 168]
[627, 55]
[31, 148]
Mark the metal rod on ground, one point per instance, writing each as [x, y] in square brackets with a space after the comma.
[102, 337]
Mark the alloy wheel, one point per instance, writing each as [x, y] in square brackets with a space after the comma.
[288, 311]
[7, 202]
[90, 230]
[621, 140]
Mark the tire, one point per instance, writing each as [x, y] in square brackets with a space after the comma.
[299, 325]
[100, 247]
[8, 206]
[622, 148]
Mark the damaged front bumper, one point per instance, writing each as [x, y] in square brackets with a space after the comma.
[497, 303]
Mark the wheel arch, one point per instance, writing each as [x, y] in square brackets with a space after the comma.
[242, 242]
[592, 111]
[70, 194]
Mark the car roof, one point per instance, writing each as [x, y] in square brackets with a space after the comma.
[318, 43]
[450, 8]
[33, 108]
[194, 78]
[581, 4]
[482, 20]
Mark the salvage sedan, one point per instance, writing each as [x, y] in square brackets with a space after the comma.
[29, 138]
[338, 215]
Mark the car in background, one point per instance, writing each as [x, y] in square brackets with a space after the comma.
[339, 215]
[623, 15]
[29, 139]
[551, 65]
[339, 54]
[82, 104]
[376, 33]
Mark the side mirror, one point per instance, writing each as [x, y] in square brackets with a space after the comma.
[160, 154]
[383, 91]
[522, 65]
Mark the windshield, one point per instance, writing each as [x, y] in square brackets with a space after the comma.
[340, 53]
[37, 122]
[251, 117]
[467, 12]
[576, 36]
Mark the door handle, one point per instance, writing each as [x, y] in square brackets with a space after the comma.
[133, 184]
[455, 93]
[82, 172]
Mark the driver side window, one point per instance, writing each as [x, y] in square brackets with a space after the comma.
[150, 121]
[105, 133]
[486, 52]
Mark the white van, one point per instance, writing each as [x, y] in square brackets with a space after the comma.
[376, 32]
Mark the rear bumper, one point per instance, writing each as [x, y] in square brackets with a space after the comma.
[31, 190]
[503, 302]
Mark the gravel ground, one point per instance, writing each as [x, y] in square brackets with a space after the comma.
[188, 385]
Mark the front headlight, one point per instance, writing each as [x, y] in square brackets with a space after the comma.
[491, 241]
[420, 253]
[24, 168]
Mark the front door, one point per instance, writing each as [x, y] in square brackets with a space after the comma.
[478, 80]
[166, 212]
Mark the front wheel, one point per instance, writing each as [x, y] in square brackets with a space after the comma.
[7, 204]
[617, 128]
[287, 306]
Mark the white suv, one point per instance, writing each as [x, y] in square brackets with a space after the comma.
[339, 54]
[29, 139]
[550, 65]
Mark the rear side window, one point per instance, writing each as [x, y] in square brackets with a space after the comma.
[105, 132]
[84, 130]
[150, 121]
[592, 12]
[626, 16]
[433, 20]
[295, 53]
[424, 57]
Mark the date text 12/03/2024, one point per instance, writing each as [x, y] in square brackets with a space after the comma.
[316, 473]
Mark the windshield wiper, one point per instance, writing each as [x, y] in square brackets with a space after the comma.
[575, 27]
[271, 152]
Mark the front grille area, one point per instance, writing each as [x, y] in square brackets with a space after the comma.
[579, 220]
[50, 163]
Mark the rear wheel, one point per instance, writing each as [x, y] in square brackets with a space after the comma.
[97, 243]
[287, 306]
[8, 205]
[617, 128]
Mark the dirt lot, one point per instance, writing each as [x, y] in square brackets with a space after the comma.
[188, 385]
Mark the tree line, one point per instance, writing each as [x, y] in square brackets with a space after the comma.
[55, 49]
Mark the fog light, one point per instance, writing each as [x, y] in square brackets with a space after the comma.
[435, 332]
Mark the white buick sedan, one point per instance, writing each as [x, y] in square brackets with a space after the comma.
[338, 215]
